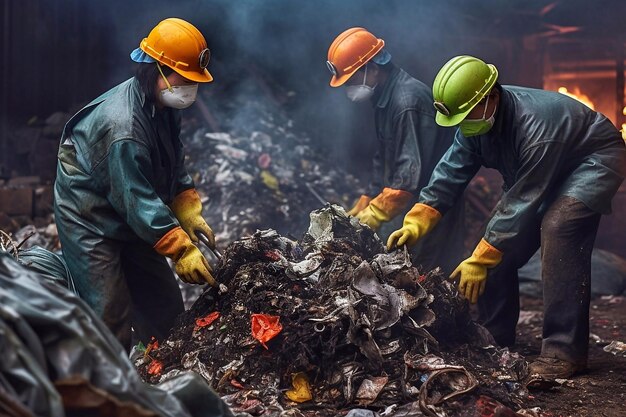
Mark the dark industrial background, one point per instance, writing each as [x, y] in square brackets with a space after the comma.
[59, 54]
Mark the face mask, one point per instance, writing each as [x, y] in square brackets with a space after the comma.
[475, 127]
[361, 92]
[179, 96]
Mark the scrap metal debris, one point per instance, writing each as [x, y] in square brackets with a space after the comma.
[351, 326]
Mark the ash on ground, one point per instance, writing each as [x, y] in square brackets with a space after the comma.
[339, 324]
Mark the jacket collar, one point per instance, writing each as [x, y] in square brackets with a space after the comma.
[383, 98]
[151, 108]
[505, 107]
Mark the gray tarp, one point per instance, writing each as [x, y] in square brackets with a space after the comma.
[53, 348]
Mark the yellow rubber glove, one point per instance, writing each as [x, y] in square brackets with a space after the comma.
[364, 200]
[187, 208]
[473, 270]
[190, 264]
[417, 222]
[387, 205]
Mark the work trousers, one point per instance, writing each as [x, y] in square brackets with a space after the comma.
[125, 283]
[566, 232]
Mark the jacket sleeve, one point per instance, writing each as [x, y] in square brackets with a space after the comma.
[376, 182]
[537, 176]
[183, 179]
[130, 191]
[454, 171]
[407, 167]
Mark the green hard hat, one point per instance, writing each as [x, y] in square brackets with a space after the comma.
[459, 86]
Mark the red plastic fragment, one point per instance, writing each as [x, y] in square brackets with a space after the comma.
[207, 320]
[264, 161]
[265, 327]
[236, 384]
[273, 255]
[155, 367]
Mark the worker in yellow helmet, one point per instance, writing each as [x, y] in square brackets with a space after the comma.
[562, 163]
[409, 142]
[123, 198]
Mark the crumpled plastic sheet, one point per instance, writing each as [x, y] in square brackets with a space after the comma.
[48, 335]
[48, 264]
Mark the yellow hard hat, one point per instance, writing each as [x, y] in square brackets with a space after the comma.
[179, 45]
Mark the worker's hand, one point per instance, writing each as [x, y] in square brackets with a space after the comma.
[193, 268]
[401, 237]
[360, 205]
[384, 207]
[473, 270]
[196, 226]
[368, 216]
[187, 208]
[420, 220]
[190, 264]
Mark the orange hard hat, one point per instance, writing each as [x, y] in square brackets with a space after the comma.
[179, 45]
[349, 52]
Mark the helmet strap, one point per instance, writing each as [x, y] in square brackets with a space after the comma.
[169, 86]
[365, 76]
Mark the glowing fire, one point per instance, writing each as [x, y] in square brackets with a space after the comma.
[578, 95]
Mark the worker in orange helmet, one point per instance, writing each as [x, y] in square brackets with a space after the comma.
[123, 198]
[410, 143]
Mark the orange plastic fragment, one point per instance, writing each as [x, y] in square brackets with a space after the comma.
[265, 327]
[155, 367]
[206, 321]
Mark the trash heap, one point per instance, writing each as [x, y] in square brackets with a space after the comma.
[258, 170]
[332, 323]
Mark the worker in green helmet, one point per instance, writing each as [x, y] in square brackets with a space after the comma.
[562, 163]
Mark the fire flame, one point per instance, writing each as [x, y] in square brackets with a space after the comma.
[578, 95]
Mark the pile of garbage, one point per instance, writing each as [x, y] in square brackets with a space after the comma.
[332, 323]
[259, 171]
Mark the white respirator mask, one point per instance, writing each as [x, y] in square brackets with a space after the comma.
[177, 96]
[361, 92]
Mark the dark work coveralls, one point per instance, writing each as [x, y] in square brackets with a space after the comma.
[120, 164]
[561, 163]
[410, 144]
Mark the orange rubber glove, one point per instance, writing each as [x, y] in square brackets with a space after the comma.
[364, 200]
[190, 264]
[420, 220]
[387, 205]
[473, 270]
[187, 208]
